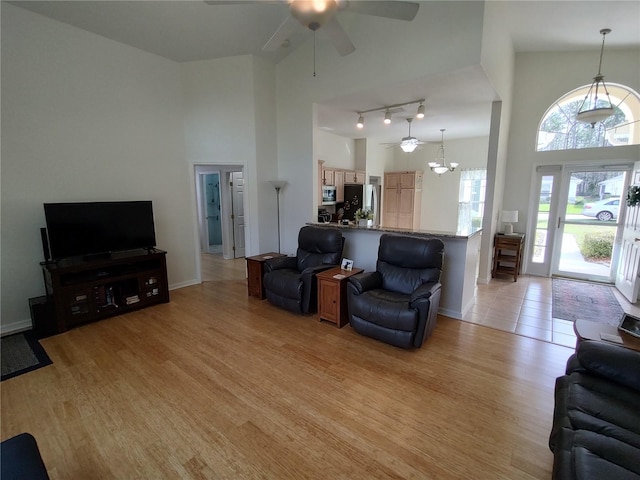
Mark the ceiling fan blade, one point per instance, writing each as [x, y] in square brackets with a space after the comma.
[239, 2]
[388, 9]
[338, 37]
[283, 32]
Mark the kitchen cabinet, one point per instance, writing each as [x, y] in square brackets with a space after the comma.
[328, 176]
[339, 181]
[402, 200]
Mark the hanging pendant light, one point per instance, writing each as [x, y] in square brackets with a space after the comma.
[440, 166]
[591, 109]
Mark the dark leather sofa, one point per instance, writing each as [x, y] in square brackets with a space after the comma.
[398, 303]
[596, 421]
[290, 282]
[20, 459]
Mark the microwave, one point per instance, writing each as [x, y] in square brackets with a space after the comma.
[328, 195]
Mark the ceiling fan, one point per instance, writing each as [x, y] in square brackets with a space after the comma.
[321, 15]
[408, 144]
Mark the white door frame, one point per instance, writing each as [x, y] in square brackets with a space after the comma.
[225, 206]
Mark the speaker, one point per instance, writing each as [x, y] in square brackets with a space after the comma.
[45, 244]
[43, 317]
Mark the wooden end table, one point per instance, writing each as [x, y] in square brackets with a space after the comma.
[332, 295]
[586, 330]
[255, 272]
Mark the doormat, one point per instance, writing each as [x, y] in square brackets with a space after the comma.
[586, 301]
[21, 353]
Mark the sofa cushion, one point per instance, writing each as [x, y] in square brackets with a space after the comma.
[390, 310]
[603, 407]
[286, 283]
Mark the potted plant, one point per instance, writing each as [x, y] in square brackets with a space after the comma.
[364, 218]
[633, 195]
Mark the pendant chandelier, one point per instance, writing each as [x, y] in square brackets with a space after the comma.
[592, 110]
[440, 166]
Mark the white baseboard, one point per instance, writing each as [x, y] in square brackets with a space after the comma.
[15, 327]
[447, 312]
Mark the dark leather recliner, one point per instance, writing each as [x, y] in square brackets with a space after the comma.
[596, 419]
[290, 282]
[398, 303]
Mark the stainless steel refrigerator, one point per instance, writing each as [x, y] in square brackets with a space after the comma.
[364, 197]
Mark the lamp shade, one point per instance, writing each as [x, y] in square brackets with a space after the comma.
[509, 216]
[278, 184]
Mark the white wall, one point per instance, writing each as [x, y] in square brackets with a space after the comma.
[380, 59]
[336, 151]
[85, 118]
[439, 209]
[228, 120]
[540, 79]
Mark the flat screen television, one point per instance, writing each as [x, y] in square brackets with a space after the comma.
[93, 228]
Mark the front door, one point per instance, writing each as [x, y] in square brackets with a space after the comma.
[627, 281]
[588, 223]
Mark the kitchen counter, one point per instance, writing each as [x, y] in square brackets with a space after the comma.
[403, 231]
[459, 271]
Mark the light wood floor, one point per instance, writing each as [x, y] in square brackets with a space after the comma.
[218, 385]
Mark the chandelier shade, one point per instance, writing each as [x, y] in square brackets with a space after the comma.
[594, 109]
[439, 165]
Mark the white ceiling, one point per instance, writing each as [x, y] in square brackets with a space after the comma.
[187, 30]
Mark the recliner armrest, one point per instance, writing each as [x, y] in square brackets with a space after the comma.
[317, 269]
[278, 263]
[613, 362]
[424, 291]
[366, 281]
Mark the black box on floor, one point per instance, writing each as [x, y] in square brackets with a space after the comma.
[43, 317]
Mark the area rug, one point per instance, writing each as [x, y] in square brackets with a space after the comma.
[586, 301]
[21, 353]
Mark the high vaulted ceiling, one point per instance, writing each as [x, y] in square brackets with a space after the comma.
[187, 30]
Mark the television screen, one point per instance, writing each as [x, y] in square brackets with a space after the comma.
[87, 228]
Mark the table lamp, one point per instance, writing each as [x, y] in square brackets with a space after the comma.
[509, 217]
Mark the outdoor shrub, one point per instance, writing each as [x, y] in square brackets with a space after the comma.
[595, 246]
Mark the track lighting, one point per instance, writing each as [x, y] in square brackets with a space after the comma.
[388, 109]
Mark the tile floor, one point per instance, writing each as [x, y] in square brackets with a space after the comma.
[524, 308]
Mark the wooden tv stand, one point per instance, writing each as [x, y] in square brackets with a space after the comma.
[86, 289]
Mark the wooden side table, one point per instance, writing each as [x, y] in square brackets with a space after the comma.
[255, 272]
[507, 254]
[332, 295]
[586, 330]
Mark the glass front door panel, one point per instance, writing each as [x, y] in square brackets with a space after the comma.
[540, 246]
[590, 223]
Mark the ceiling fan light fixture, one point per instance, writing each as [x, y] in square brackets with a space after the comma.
[409, 144]
[313, 14]
[593, 110]
[420, 114]
[387, 117]
[360, 123]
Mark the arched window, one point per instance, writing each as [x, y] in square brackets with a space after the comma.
[559, 129]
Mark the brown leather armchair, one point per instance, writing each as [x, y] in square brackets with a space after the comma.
[398, 303]
[290, 282]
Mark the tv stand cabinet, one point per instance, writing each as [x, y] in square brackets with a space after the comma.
[92, 288]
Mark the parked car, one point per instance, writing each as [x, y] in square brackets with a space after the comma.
[603, 210]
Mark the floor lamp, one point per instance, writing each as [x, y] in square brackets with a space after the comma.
[278, 184]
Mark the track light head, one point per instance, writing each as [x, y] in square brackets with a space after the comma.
[387, 117]
[360, 123]
[420, 114]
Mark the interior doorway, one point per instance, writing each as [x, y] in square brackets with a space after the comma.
[220, 207]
